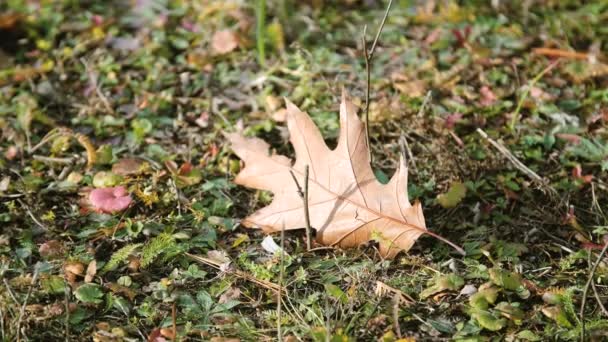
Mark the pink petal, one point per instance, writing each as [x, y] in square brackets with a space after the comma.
[110, 200]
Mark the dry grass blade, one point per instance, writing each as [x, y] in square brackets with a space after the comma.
[518, 164]
[213, 263]
[383, 290]
[586, 289]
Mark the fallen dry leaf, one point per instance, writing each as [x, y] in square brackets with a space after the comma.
[348, 206]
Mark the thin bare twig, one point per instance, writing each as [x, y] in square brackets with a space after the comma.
[367, 91]
[207, 261]
[304, 196]
[281, 275]
[369, 55]
[29, 212]
[53, 160]
[93, 78]
[67, 313]
[2, 336]
[598, 299]
[594, 202]
[396, 325]
[174, 321]
[24, 304]
[589, 281]
[424, 103]
[10, 291]
[406, 152]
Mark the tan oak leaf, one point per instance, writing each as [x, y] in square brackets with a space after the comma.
[347, 204]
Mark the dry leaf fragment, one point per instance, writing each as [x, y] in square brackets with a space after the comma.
[129, 166]
[279, 115]
[4, 183]
[91, 271]
[347, 205]
[270, 246]
[73, 267]
[71, 270]
[383, 290]
[232, 293]
[415, 88]
[224, 41]
[155, 336]
[51, 249]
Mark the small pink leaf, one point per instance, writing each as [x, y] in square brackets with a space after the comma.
[110, 200]
[452, 119]
[571, 138]
[487, 96]
[577, 173]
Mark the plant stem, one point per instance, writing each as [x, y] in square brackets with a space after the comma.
[260, 15]
[369, 55]
[304, 197]
[524, 96]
